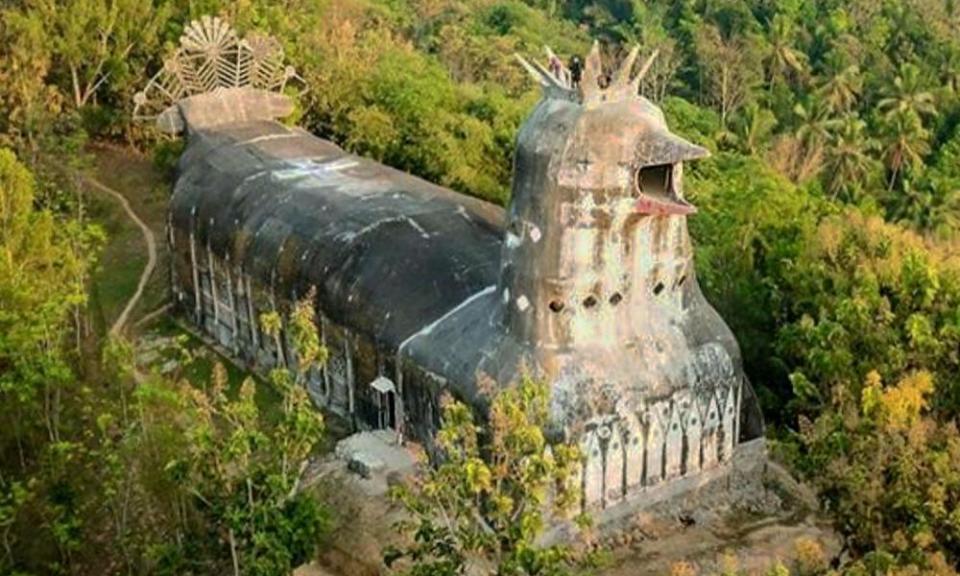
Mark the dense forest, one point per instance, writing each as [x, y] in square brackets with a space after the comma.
[827, 237]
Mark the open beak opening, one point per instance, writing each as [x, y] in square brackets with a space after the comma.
[658, 191]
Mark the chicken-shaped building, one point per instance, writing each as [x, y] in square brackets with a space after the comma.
[587, 281]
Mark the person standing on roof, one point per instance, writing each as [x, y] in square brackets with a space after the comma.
[555, 66]
[576, 71]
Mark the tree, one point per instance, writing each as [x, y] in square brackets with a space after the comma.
[799, 156]
[815, 124]
[42, 255]
[848, 164]
[842, 90]
[907, 142]
[891, 473]
[783, 60]
[752, 128]
[28, 105]
[92, 39]
[245, 474]
[930, 203]
[906, 96]
[728, 69]
[486, 503]
[40, 262]
[658, 81]
[949, 72]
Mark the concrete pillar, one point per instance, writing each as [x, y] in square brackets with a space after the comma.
[674, 445]
[234, 325]
[197, 310]
[401, 414]
[348, 357]
[592, 469]
[633, 449]
[252, 314]
[211, 273]
[323, 371]
[613, 466]
[657, 415]
[711, 431]
[692, 422]
[727, 424]
[281, 360]
[736, 413]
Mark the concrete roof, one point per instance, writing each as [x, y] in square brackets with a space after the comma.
[387, 252]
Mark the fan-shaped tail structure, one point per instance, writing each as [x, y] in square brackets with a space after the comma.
[217, 76]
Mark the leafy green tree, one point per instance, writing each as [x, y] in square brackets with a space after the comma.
[729, 68]
[815, 124]
[40, 263]
[42, 258]
[949, 71]
[91, 39]
[245, 474]
[800, 155]
[752, 128]
[484, 507]
[890, 471]
[14, 495]
[28, 105]
[865, 296]
[752, 220]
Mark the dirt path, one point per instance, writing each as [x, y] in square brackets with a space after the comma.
[148, 237]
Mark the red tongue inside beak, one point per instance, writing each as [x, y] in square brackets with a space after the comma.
[663, 207]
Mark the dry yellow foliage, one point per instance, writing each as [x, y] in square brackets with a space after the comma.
[811, 558]
[683, 569]
[897, 407]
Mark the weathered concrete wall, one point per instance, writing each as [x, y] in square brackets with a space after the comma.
[590, 284]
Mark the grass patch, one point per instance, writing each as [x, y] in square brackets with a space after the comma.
[114, 280]
[125, 254]
[199, 371]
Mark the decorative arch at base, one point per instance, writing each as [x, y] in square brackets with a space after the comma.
[626, 453]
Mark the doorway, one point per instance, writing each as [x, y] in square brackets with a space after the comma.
[386, 403]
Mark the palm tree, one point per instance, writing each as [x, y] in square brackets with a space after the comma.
[816, 123]
[841, 92]
[945, 214]
[907, 143]
[752, 129]
[907, 95]
[950, 70]
[799, 156]
[848, 163]
[783, 59]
